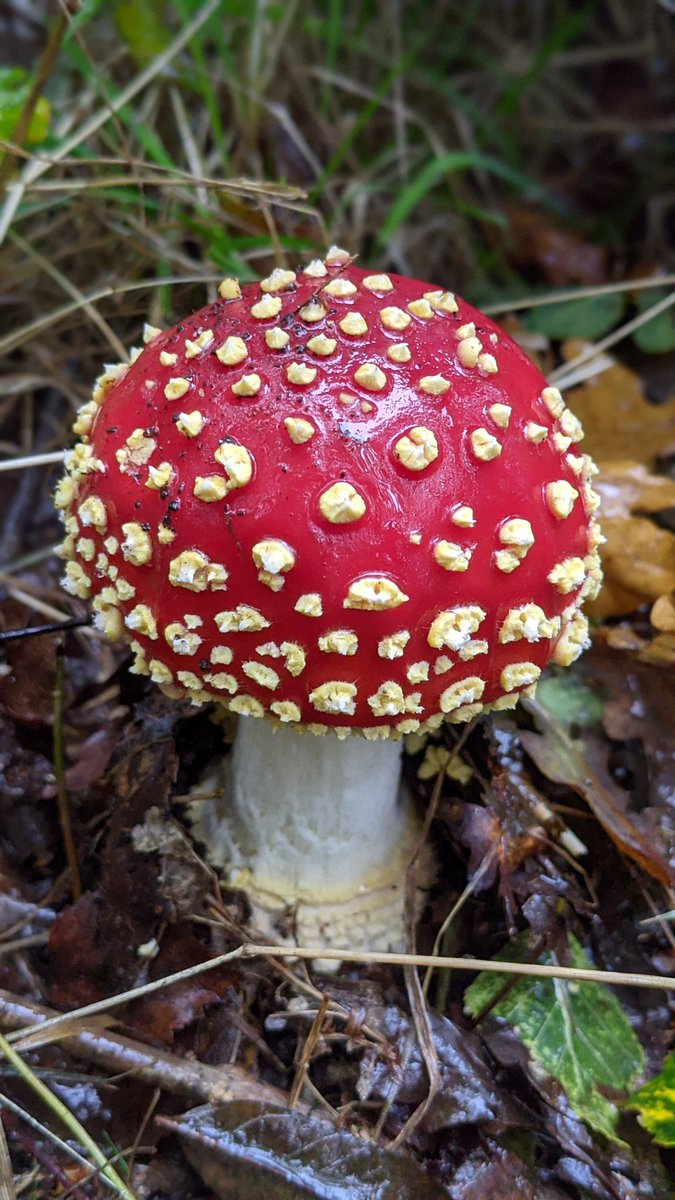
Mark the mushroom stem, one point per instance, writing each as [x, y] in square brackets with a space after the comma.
[316, 830]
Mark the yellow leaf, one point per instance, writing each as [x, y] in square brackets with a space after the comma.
[617, 419]
[638, 557]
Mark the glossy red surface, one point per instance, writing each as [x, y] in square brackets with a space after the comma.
[356, 430]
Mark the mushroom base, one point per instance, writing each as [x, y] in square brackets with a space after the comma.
[318, 832]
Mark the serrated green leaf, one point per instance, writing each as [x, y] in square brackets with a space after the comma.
[589, 317]
[655, 1103]
[578, 1032]
[658, 335]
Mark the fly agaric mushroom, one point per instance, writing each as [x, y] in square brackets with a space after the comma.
[345, 503]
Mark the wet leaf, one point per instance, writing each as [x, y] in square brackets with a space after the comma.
[467, 1093]
[639, 564]
[618, 421]
[578, 1032]
[493, 1170]
[161, 1015]
[655, 1102]
[662, 615]
[245, 1152]
[581, 764]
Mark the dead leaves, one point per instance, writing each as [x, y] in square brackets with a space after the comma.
[580, 763]
[626, 435]
[638, 556]
[618, 421]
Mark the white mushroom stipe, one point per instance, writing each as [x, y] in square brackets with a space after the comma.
[276, 829]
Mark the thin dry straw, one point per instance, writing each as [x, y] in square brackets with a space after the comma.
[440, 962]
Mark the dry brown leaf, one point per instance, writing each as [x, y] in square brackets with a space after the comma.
[618, 421]
[638, 557]
[662, 615]
[660, 650]
[626, 486]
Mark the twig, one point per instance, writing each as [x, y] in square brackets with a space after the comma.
[416, 995]
[8, 635]
[31, 601]
[60, 1110]
[560, 376]
[44, 1131]
[25, 332]
[60, 777]
[571, 294]
[157, 1068]
[307, 1050]
[23, 943]
[7, 1189]
[32, 460]
[118, 348]
[381, 958]
[469, 889]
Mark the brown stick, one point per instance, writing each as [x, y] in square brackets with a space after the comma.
[158, 1068]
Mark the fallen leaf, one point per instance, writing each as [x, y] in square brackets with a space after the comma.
[577, 1032]
[655, 1102]
[662, 615]
[638, 557]
[581, 763]
[161, 1015]
[27, 690]
[639, 564]
[493, 1170]
[627, 486]
[618, 421]
[640, 705]
[243, 1151]
[466, 1094]
[537, 238]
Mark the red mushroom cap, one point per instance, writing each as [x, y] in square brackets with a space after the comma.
[340, 498]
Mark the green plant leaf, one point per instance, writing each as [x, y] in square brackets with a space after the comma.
[658, 335]
[143, 26]
[569, 700]
[588, 317]
[15, 85]
[578, 1032]
[655, 1103]
[447, 164]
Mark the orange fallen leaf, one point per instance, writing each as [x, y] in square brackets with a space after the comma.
[662, 615]
[617, 419]
[638, 557]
